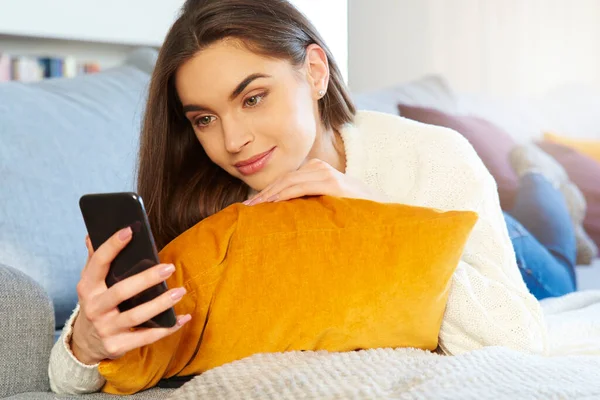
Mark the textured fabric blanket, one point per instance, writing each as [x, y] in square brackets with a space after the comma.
[571, 371]
[490, 373]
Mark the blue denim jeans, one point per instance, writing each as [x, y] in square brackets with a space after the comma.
[542, 235]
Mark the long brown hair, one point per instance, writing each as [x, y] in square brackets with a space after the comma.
[180, 185]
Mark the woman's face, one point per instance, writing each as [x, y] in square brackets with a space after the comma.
[256, 117]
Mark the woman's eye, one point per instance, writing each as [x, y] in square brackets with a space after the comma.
[253, 101]
[203, 121]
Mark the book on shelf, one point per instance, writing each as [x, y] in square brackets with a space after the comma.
[31, 69]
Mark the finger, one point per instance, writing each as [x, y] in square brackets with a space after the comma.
[308, 166]
[311, 188]
[146, 311]
[90, 252]
[106, 253]
[127, 288]
[318, 170]
[292, 179]
[88, 246]
[258, 196]
[142, 337]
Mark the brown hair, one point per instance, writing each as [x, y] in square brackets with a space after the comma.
[180, 185]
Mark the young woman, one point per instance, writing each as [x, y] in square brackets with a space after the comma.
[247, 105]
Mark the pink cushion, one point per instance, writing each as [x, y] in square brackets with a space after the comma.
[492, 144]
[584, 171]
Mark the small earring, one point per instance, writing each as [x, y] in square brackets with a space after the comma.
[321, 93]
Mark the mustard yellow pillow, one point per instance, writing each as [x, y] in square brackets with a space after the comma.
[588, 147]
[318, 273]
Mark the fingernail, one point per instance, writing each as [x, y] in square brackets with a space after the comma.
[255, 201]
[166, 271]
[246, 202]
[177, 293]
[125, 233]
[183, 319]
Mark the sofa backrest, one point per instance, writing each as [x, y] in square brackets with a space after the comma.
[60, 139]
[430, 91]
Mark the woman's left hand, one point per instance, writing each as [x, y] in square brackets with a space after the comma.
[314, 178]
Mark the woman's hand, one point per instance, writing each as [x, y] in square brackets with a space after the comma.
[100, 330]
[314, 178]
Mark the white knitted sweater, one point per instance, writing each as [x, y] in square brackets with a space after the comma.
[424, 165]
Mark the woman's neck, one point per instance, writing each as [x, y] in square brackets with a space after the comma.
[329, 147]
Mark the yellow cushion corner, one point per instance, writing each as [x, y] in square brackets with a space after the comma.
[588, 147]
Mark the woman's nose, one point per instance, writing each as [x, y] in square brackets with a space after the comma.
[236, 137]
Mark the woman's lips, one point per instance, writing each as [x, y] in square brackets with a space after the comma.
[254, 164]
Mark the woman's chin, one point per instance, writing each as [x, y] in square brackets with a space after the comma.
[255, 183]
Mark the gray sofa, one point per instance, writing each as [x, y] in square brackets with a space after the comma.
[60, 139]
[27, 333]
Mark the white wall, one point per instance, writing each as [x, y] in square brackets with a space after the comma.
[387, 42]
[498, 47]
[138, 22]
[330, 17]
[107, 30]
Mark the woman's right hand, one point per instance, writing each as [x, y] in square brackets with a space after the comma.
[100, 330]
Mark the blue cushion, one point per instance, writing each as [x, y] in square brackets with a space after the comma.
[60, 139]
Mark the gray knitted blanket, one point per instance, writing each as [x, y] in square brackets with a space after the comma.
[490, 373]
[573, 371]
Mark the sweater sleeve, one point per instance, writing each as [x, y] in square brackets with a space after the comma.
[145, 366]
[489, 303]
[66, 373]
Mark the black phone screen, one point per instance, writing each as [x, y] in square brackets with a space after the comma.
[106, 213]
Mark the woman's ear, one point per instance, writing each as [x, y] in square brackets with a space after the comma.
[317, 68]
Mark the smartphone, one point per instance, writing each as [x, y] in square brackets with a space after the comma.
[106, 213]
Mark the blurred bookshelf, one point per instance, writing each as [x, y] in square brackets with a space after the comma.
[65, 38]
[31, 68]
[29, 59]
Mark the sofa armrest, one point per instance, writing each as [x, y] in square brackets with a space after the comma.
[27, 332]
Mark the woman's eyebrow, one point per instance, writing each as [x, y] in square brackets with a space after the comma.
[193, 107]
[242, 85]
[236, 92]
